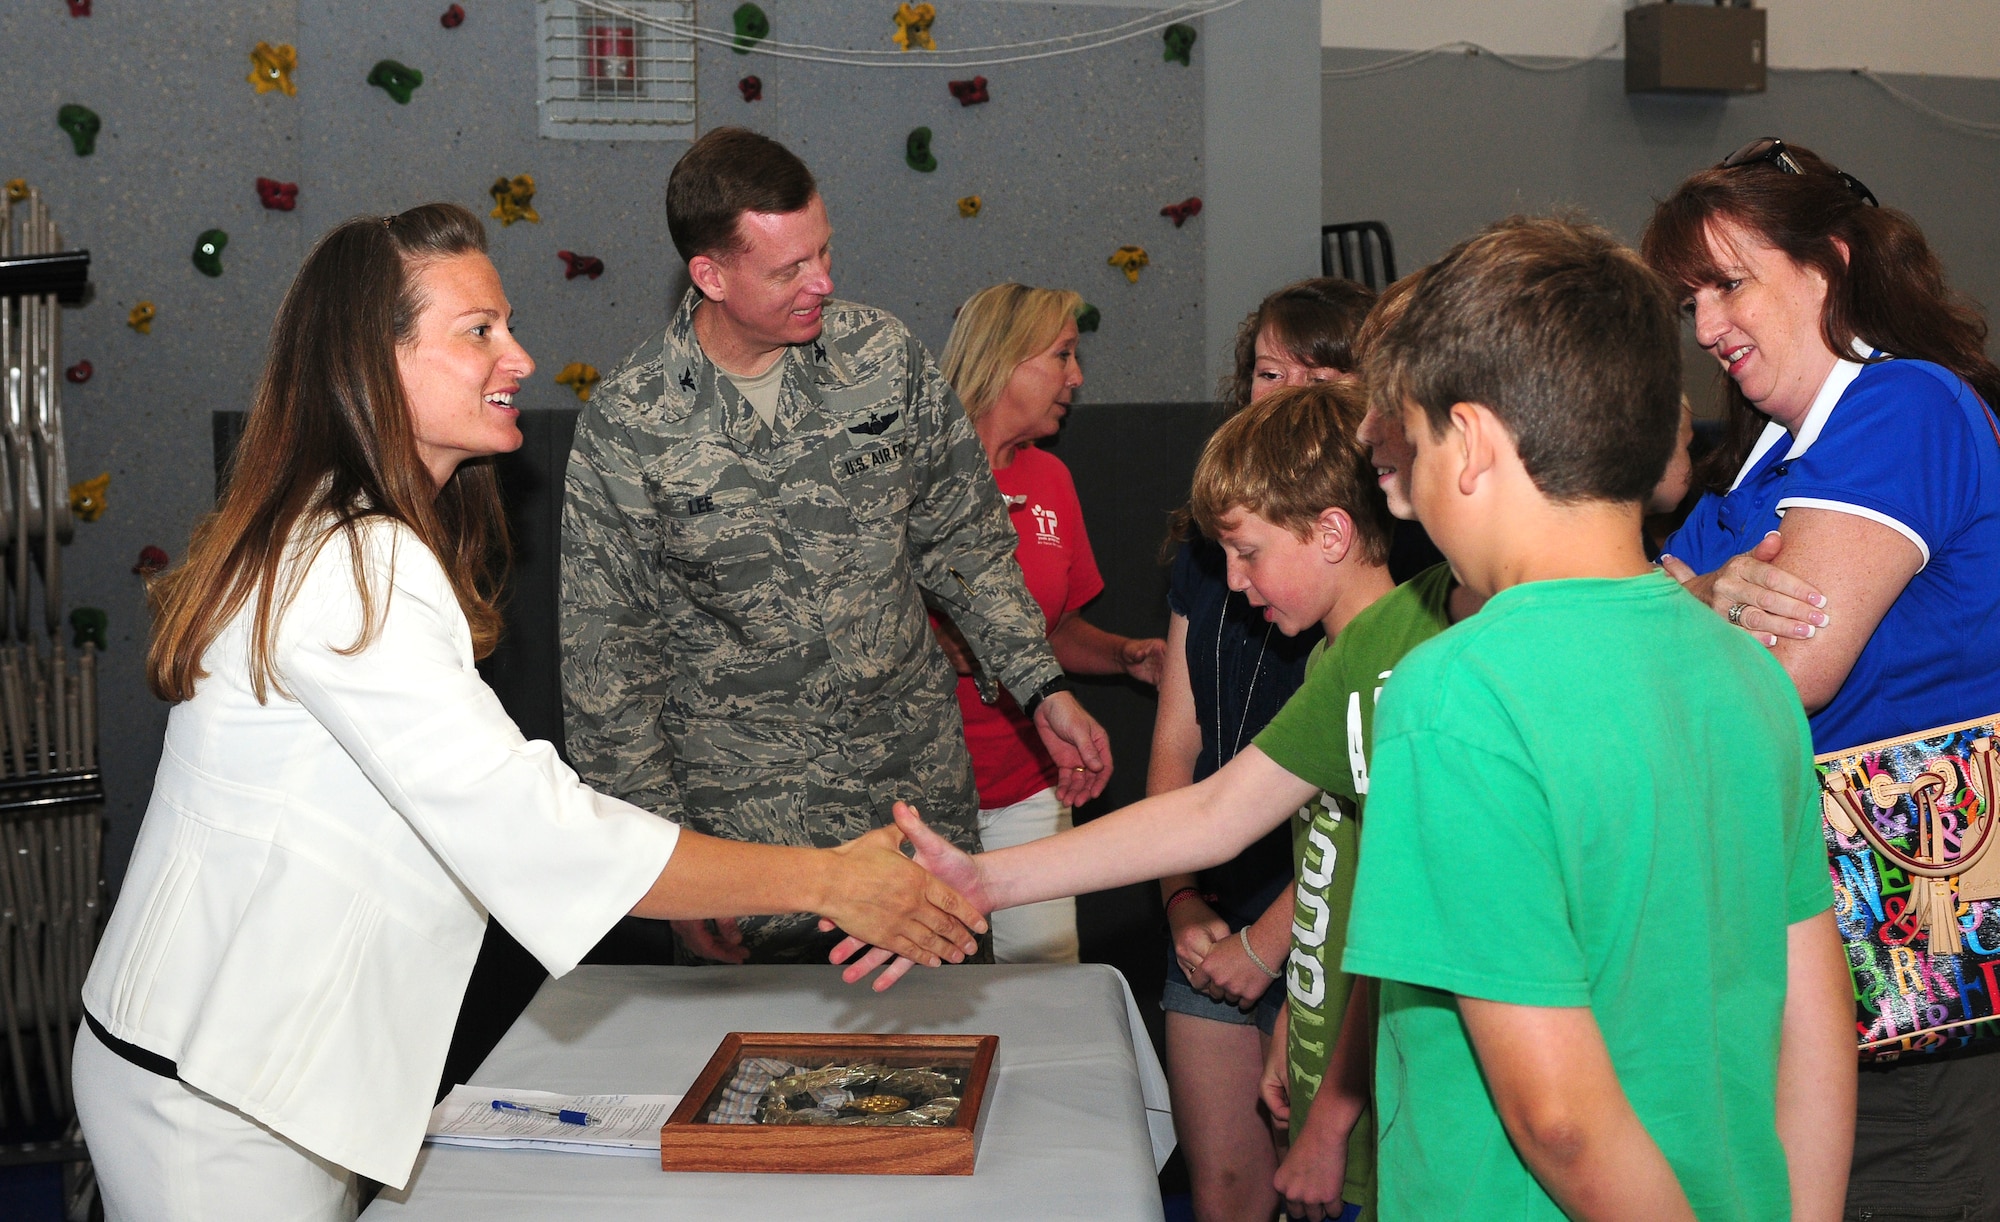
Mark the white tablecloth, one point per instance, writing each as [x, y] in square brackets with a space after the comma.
[1077, 1121]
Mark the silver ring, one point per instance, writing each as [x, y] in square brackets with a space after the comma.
[1736, 614]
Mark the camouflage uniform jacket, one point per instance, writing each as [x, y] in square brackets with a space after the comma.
[745, 645]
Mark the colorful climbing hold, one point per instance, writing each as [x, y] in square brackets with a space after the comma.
[152, 560]
[208, 251]
[1129, 259]
[970, 206]
[752, 27]
[913, 26]
[78, 374]
[141, 318]
[513, 199]
[579, 377]
[79, 8]
[86, 500]
[580, 265]
[453, 18]
[17, 190]
[1088, 317]
[1180, 44]
[277, 196]
[91, 626]
[1179, 213]
[272, 67]
[82, 124]
[969, 93]
[396, 80]
[917, 151]
[751, 88]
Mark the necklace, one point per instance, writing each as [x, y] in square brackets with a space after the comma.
[1242, 718]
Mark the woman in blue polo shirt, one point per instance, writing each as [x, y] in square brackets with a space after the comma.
[1859, 429]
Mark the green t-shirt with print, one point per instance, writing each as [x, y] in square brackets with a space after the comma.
[1321, 736]
[1592, 793]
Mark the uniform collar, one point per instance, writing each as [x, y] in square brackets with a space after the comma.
[1837, 381]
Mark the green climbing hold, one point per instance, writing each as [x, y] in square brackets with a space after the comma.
[1087, 318]
[208, 251]
[1180, 41]
[752, 27]
[917, 151]
[91, 626]
[396, 80]
[82, 124]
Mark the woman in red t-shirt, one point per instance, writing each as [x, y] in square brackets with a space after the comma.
[1012, 360]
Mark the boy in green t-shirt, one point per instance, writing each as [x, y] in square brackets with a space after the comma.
[1285, 487]
[1594, 894]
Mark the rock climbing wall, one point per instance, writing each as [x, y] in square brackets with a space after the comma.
[208, 159]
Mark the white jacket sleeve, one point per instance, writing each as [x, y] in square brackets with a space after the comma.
[555, 862]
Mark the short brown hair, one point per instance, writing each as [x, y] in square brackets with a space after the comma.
[1564, 335]
[1313, 320]
[1290, 457]
[726, 173]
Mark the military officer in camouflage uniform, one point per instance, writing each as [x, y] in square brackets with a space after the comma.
[757, 504]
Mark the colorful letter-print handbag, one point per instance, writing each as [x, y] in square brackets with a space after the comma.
[1910, 826]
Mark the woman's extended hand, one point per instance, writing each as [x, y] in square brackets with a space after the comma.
[883, 898]
[1143, 657]
[950, 868]
[1775, 603]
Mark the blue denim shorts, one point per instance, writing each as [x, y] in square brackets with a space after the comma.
[1179, 997]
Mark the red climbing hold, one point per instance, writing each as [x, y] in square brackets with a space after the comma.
[453, 18]
[151, 560]
[751, 88]
[1191, 206]
[970, 93]
[278, 196]
[79, 8]
[581, 265]
[78, 373]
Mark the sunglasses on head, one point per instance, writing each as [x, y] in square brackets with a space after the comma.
[1771, 150]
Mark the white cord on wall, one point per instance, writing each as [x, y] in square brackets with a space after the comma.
[1970, 127]
[956, 58]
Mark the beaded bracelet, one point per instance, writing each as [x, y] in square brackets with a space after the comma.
[1243, 935]
[1186, 893]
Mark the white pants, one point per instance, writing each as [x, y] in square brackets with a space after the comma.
[1032, 933]
[166, 1152]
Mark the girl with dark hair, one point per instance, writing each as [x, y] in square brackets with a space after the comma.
[1228, 672]
[341, 801]
[1860, 432]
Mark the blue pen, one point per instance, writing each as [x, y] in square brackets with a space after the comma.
[564, 1115]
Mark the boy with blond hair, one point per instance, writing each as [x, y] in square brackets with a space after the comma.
[1288, 491]
[1593, 891]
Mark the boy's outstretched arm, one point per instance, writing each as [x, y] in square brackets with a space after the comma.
[1816, 1069]
[1559, 1097]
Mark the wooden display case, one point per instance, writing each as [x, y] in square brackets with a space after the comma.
[690, 1141]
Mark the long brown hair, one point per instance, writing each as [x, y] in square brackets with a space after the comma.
[1314, 320]
[329, 443]
[1889, 291]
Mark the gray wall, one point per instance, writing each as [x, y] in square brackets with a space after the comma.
[1449, 144]
[1074, 156]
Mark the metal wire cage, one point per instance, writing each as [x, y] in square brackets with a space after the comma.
[615, 73]
[51, 790]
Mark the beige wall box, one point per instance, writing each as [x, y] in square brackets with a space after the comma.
[1694, 48]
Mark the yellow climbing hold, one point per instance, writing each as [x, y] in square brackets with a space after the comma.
[513, 199]
[141, 318]
[272, 67]
[1129, 259]
[970, 205]
[17, 190]
[913, 26]
[86, 500]
[579, 377]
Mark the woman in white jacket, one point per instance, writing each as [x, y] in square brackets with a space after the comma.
[341, 801]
